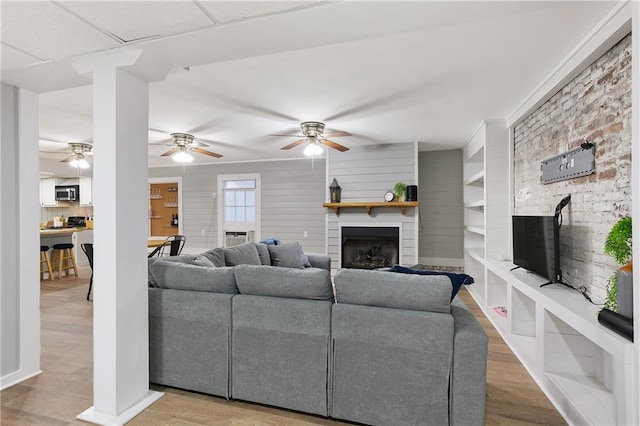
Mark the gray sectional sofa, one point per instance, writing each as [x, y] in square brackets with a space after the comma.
[382, 348]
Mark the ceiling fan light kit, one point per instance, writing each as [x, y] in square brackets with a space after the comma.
[181, 144]
[312, 134]
[313, 149]
[78, 151]
[79, 162]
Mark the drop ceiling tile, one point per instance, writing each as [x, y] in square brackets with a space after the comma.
[133, 20]
[227, 11]
[12, 58]
[46, 31]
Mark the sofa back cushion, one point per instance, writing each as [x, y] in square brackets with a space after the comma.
[377, 288]
[184, 258]
[309, 283]
[457, 280]
[180, 276]
[243, 254]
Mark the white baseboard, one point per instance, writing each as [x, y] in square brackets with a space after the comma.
[15, 378]
[92, 416]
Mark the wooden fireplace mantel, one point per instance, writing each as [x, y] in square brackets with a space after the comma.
[368, 205]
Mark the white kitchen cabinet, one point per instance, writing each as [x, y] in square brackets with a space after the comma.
[86, 191]
[48, 192]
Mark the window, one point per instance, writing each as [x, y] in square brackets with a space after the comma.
[238, 207]
[239, 200]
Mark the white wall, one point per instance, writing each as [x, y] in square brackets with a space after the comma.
[292, 196]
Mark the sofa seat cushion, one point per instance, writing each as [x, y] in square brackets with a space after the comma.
[243, 254]
[288, 255]
[180, 276]
[457, 280]
[309, 283]
[380, 288]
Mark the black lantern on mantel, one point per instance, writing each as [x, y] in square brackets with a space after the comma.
[334, 191]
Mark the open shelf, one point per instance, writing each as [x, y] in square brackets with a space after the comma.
[479, 204]
[475, 229]
[476, 253]
[476, 179]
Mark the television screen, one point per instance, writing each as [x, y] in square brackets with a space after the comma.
[536, 245]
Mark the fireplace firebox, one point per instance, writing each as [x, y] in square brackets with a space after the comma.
[366, 247]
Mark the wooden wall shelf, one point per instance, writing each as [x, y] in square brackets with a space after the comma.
[371, 204]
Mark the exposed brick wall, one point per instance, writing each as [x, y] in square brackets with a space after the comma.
[595, 106]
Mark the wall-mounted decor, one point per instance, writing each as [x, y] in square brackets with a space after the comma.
[575, 163]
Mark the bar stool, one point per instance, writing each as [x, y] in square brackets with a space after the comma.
[63, 258]
[44, 258]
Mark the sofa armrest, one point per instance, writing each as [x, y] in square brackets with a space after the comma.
[469, 370]
[320, 261]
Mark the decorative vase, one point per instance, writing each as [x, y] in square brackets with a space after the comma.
[624, 297]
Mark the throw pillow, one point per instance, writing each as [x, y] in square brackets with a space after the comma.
[216, 256]
[263, 252]
[243, 254]
[288, 255]
[201, 260]
[457, 280]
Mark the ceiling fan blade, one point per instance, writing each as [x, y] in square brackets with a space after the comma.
[68, 159]
[170, 152]
[294, 144]
[205, 152]
[337, 134]
[332, 144]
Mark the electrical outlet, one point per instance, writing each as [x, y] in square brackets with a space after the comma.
[305, 234]
[203, 233]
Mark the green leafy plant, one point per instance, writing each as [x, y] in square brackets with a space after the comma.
[399, 189]
[617, 245]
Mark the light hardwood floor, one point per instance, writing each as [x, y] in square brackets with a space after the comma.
[64, 389]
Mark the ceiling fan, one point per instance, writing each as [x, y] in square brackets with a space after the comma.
[182, 143]
[76, 155]
[312, 133]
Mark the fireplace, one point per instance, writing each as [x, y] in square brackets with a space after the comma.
[367, 247]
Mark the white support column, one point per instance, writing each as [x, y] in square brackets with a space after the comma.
[120, 306]
[20, 290]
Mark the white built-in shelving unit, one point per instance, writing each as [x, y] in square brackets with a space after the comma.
[584, 368]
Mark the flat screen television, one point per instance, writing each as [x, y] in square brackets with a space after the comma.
[536, 246]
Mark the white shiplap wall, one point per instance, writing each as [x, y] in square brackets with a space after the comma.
[292, 197]
[365, 174]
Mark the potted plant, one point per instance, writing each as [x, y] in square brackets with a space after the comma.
[400, 188]
[620, 285]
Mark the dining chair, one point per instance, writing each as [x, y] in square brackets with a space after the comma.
[87, 248]
[173, 245]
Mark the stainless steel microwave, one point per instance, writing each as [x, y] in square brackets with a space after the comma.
[67, 192]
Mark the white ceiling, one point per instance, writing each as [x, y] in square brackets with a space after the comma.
[387, 72]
